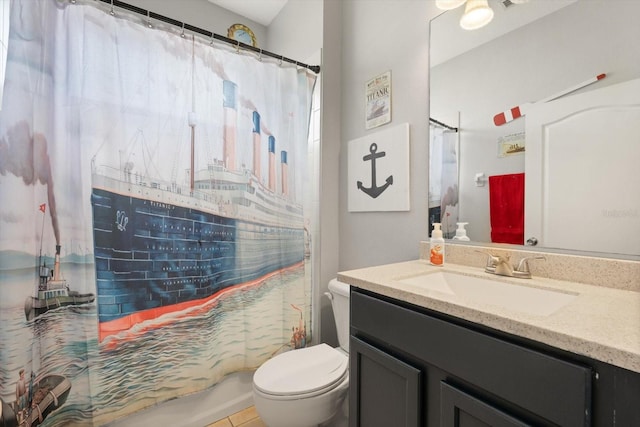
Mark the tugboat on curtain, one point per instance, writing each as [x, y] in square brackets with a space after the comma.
[179, 170]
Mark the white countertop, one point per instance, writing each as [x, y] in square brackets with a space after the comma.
[601, 323]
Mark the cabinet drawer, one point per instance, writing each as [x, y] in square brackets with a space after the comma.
[551, 388]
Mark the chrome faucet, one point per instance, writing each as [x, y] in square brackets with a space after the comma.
[500, 265]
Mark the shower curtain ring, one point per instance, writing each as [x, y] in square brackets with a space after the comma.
[281, 60]
[238, 46]
[182, 35]
[211, 41]
[112, 12]
[260, 55]
[149, 20]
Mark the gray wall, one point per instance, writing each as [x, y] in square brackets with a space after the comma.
[379, 36]
[297, 30]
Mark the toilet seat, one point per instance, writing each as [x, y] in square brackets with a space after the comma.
[302, 373]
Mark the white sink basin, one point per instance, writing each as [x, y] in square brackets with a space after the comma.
[525, 299]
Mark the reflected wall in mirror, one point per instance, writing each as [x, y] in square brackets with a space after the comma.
[529, 52]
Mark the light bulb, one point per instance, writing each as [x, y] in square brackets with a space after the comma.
[477, 14]
[449, 4]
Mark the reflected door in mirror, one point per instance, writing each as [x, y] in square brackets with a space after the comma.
[594, 204]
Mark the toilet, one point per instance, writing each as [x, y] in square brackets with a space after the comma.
[306, 387]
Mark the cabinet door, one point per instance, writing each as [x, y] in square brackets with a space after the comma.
[384, 391]
[460, 409]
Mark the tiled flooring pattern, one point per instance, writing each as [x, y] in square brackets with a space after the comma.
[245, 418]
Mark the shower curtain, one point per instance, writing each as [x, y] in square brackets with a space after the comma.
[152, 232]
[443, 180]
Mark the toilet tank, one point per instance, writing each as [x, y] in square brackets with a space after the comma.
[339, 295]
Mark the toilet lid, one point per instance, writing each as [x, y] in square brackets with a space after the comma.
[302, 371]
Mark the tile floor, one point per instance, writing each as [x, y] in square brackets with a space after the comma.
[245, 418]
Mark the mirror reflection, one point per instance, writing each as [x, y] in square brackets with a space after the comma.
[537, 139]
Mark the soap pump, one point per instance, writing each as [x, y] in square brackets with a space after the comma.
[436, 246]
[461, 232]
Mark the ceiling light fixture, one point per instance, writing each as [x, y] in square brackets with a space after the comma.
[449, 4]
[477, 13]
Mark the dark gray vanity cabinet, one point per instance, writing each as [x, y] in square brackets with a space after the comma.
[410, 366]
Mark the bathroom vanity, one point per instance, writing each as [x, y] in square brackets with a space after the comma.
[425, 357]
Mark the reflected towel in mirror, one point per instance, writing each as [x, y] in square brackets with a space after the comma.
[506, 205]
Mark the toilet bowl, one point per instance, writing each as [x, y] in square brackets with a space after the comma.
[306, 387]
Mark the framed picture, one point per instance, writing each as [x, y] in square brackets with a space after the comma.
[243, 34]
[378, 171]
[378, 101]
[511, 145]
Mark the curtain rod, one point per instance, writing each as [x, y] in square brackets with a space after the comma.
[185, 26]
[444, 125]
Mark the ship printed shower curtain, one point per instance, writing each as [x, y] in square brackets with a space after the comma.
[153, 236]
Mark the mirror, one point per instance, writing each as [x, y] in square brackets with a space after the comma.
[529, 52]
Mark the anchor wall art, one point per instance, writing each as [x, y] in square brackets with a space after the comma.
[378, 174]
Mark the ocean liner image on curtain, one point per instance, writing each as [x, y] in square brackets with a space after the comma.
[161, 247]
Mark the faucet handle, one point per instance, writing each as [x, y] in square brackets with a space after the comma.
[492, 260]
[523, 266]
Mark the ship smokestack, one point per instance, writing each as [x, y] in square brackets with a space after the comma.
[256, 144]
[272, 163]
[284, 169]
[56, 265]
[230, 123]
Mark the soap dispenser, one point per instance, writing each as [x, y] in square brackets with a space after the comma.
[461, 232]
[436, 246]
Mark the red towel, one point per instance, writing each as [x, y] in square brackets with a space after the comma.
[506, 204]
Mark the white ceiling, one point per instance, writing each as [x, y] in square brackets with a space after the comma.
[260, 11]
